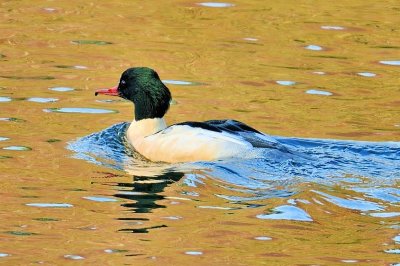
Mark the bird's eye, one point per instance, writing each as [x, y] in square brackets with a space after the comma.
[123, 82]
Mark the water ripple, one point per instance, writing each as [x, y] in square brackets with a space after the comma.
[81, 110]
[287, 212]
[215, 4]
[390, 62]
[319, 92]
[50, 205]
[366, 168]
[314, 47]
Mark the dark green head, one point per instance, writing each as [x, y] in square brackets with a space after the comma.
[143, 87]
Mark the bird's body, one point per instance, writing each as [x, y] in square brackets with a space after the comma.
[184, 142]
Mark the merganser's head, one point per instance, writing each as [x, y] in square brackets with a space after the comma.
[143, 87]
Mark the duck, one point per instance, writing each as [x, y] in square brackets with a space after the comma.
[149, 135]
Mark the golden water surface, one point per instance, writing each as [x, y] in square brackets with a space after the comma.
[234, 55]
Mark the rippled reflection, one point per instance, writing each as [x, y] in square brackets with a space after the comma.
[144, 191]
[80, 110]
[216, 4]
[319, 92]
[250, 181]
[314, 47]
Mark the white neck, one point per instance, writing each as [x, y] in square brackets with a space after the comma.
[145, 127]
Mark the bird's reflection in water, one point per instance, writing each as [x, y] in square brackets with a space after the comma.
[144, 193]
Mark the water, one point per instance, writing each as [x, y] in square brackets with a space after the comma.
[326, 162]
[82, 110]
[180, 82]
[285, 82]
[5, 99]
[326, 27]
[314, 47]
[390, 62]
[61, 89]
[79, 195]
[215, 4]
[319, 92]
[42, 100]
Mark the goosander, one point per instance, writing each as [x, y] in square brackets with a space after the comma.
[183, 142]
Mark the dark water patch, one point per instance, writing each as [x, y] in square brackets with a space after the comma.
[76, 189]
[20, 233]
[53, 140]
[253, 83]
[81, 110]
[115, 251]
[242, 110]
[144, 192]
[5, 157]
[133, 219]
[19, 99]
[386, 47]
[29, 78]
[46, 219]
[137, 254]
[71, 67]
[30, 188]
[12, 119]
[329, 56]
[144, 230]
[95, 42]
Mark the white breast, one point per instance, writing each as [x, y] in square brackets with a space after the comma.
[182, 143]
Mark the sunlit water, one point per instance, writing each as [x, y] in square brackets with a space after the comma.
[370, 168]
[321, 79]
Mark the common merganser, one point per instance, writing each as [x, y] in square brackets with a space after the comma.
[183, 142]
